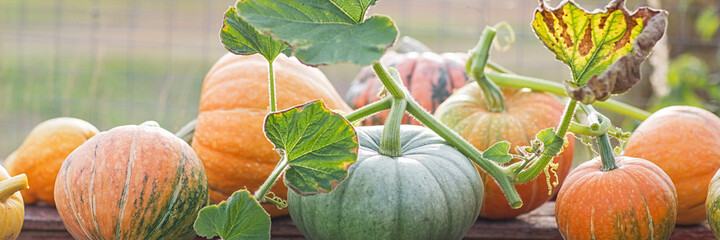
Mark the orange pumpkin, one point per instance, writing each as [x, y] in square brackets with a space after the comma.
[229, 137]
[43, 152]
[637, 200]
[526, 114]
[131, 182]
[430, 78]
[685, 143]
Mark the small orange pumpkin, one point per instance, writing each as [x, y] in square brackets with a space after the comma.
[637, 200]
[131, 182]
[229, 137]
[527, 114]
[685, 143]
[43, 152]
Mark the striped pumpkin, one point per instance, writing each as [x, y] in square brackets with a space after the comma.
[712, 205]
[637, 200]
[131, 182]
[430, 78]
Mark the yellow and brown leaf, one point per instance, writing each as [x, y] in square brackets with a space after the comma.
[604, 49]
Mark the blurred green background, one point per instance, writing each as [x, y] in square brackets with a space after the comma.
[124, 62]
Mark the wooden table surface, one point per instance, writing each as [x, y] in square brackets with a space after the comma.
[44, 223]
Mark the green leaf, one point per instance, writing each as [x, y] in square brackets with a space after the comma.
[498, 152]
[239, 217]
[242, 38]
[552, 143]
[323, 31]
[320, 146]
[590, 42]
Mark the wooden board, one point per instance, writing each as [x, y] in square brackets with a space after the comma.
[42, 222]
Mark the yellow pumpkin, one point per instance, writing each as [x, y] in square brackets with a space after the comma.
[12, 210]
[43, 152]
[229, 137]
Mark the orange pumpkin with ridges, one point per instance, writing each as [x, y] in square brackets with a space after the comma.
[527, 113]
[685, 143]
[131, 182]
[637, 200]
[229, 137]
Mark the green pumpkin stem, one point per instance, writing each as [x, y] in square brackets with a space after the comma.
[370, 109]
[271, 85]
[475, 67]
[539, 166]
[390, 142]
[10, 186]
[186, 132]
[606, 153]
[270, 181]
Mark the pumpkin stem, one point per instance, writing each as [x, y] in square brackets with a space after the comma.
[270, 181]
[606, 153]
[10, 186]
[370, 109]
[186, 132]
[390, 142]
[538, 166]
[271, 85]
[494, 100]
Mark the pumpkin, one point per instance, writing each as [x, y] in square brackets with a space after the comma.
[637, 200]
[43, 152]
[712, 205]
[685, 143]
[431, 191]
[526, 114]
[131, 182]
[430, 78]
[229, 136]
[12, 209]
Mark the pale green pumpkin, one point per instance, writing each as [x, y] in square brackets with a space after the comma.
[431, 191]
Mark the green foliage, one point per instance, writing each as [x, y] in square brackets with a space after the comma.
[689, 83]
[498, 152]
[242, 38]
[240, 217]
[319, 145]
[707, 23]
[552, 143]
[323, 31]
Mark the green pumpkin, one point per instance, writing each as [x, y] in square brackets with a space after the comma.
[432, 191]
[712, 205]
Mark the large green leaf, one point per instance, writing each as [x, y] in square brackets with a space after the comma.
[320, 146]
[242, 38]
[240, 217]
[323, 31]
[590, 42]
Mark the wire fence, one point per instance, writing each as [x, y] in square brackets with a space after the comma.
[124, 62]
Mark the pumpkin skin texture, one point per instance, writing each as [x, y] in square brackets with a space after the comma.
[43, 152]
[712, 205]
[131, 182]
[527, 113]
[12, 212]
[432, 191]
[685, 142]
[229, 136]
[637, 200]
[430, 78]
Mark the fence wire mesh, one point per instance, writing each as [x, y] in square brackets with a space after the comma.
[124, 62]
